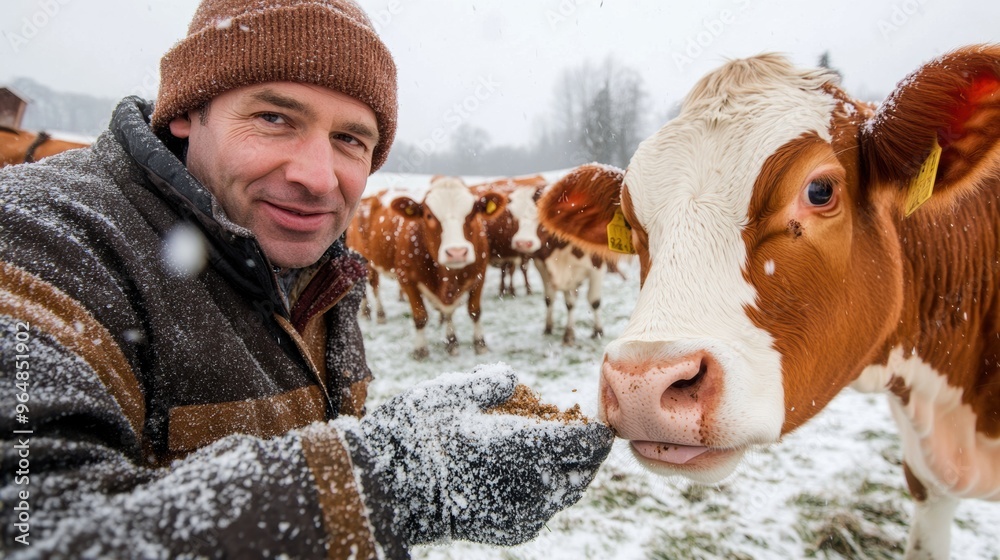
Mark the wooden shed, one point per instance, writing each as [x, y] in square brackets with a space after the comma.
[12, 106]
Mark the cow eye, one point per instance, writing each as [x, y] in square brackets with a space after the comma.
[819, 192]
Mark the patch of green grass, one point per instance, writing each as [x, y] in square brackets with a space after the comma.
[695, 493]
[806, 500]
[846, 535]
[550, 374]
[869, 435]
[719, 511]
[573, 359]
[871, 487]
[696, 545]
[858, 527]
[620, 494]
[966, 524]
[892, 455]
[613, 495]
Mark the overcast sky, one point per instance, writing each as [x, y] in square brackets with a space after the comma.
[494, 63]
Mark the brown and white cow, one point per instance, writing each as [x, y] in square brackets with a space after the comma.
[564, 268]
[562, 265]
[359, 237]
[503, 229]
[778, 265]
[436, 249]
[22, 146]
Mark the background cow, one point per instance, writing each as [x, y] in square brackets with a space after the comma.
[502, 229]
[360, 237]
[23, 146]
[778, 265]
[563, 266]
[436, 249]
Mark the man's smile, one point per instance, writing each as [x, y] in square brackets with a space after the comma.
[296, 218]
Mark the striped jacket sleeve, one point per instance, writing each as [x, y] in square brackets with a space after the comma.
[78, 480]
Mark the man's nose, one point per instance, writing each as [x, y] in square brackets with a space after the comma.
[313, 166]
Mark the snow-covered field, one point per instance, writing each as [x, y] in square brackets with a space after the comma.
[832, 489]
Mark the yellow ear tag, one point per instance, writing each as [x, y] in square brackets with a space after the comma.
[922, 186]
[491, 207]
[620, 234]
[410, 211]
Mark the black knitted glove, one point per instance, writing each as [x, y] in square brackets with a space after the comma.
[456, 472]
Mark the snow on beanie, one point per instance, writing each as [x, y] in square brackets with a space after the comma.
[235, 43]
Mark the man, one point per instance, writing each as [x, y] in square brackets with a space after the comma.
[152, 409]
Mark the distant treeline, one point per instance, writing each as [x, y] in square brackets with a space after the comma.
[50, 110]
[598, 113]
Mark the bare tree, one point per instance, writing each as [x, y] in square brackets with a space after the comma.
[598, 112]
[468, 148]
[824, 62]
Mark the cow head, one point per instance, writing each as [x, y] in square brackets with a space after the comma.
[764, 217]
[451, 217]
[522, 207]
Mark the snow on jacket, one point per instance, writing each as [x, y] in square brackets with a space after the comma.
[167, 415]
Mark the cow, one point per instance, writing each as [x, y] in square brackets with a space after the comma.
[436, 249]
[563, 266]
[359, 238]
[793, 241]
[23, 146]
[502, 229]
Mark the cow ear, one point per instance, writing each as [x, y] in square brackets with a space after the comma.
[580, 206]
[947, 114]
[407, 207]
[491, 204]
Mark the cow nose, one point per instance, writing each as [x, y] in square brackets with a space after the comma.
[457, 254]
[523, 245]
[659, 401]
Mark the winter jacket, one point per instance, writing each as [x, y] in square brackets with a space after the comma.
[167, 414]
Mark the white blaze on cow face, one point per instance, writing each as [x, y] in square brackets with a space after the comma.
[522, 207]
[692, 381]
[451, 204]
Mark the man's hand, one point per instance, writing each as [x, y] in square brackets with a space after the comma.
[457, 472]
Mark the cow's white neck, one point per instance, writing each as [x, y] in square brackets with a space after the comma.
[940, 441]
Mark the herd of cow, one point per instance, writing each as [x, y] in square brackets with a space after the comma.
[438, 250]
[791, 241]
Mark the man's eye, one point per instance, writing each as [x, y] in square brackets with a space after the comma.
[347, 138]
[273, 118]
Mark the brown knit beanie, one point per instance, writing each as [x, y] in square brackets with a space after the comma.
[235, 43]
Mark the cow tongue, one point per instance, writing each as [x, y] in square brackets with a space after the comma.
[668, 452]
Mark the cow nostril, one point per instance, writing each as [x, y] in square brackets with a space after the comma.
[610, 399]
[685, 383]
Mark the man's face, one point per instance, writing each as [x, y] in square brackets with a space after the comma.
[287, 161]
